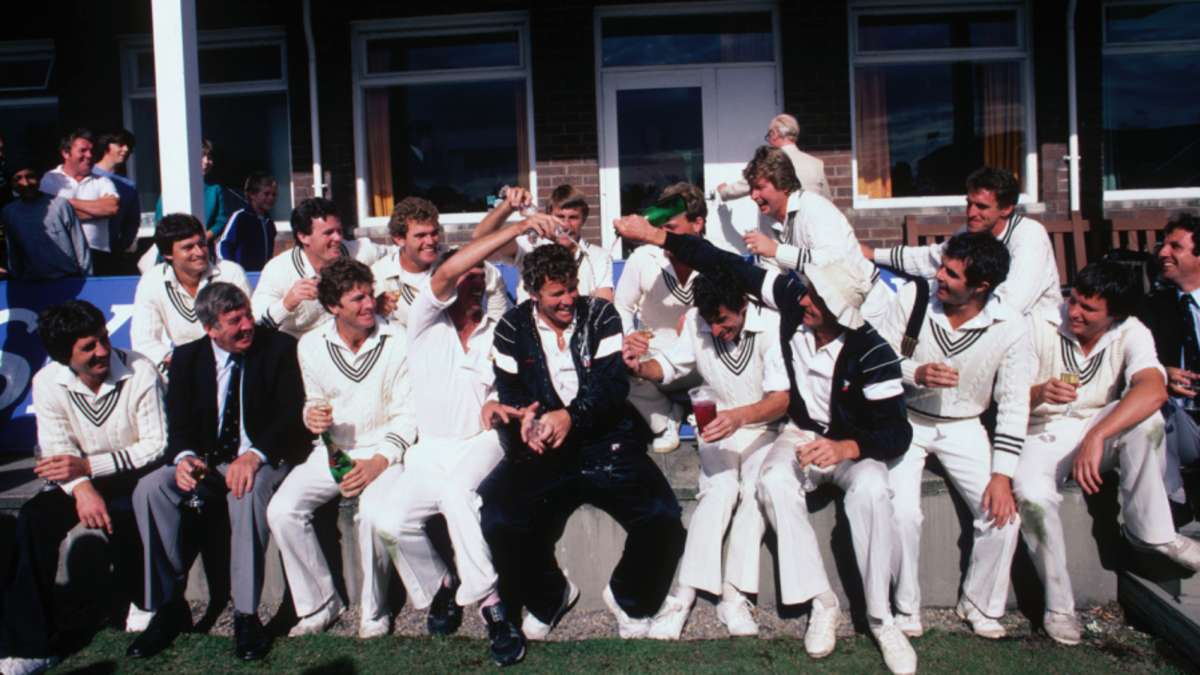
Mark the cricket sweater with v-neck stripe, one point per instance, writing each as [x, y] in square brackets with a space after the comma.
[164, 314]
[121, 427]
[993, 354]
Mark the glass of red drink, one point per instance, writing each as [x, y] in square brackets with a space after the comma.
[704, 405]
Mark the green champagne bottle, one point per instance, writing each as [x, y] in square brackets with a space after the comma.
[339, 462]
[664, 210]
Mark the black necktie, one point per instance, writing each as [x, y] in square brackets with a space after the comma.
[229, 439]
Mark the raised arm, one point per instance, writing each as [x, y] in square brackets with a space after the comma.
[516, 199]
[445, 278]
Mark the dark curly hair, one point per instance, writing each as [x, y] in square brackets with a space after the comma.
[985, 257]
[1188, 222]
[716, 289]
[772, 164]
[551, 262]
[416, 209]
[1118, 284]
[340, 276]
[309, 210]
[62, 325]
[176, 227]
[1000, 182]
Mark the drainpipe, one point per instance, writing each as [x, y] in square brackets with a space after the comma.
[313, 116]
[1072, 111]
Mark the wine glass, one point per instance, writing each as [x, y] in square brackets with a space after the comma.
[39, 453]
[1071, 378]
[194, 501]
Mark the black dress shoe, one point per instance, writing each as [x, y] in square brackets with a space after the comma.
[250, 640]
[169, 621]
[507, 641]
[445, 616]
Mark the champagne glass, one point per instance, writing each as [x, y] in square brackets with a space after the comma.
[194, 501]
[646, 332]
[39, 453]
[807, 484]
[1070, 378]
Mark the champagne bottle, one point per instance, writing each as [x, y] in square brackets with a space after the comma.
[664, 210]
[339, 462]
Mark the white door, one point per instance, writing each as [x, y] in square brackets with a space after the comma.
[699, 125]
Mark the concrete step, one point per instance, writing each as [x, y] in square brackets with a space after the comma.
[593, 542]
[1165, 599]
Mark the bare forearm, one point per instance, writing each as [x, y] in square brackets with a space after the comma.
[474, 253]
[769, 409]
[491, 223]
[95, 208]
[1143, 399]
[650, 370]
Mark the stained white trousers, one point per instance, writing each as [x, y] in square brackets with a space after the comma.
[868, 509]
[290, 513]
[962, 448]
[1046, 463]
[729, 472]
[440, 476]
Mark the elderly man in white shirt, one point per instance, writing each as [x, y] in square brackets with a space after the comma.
[961, 348]
[652, 297]
[734, 345]
[358, 398]
[286, 295]
[1032, 286]
[164, 312]
[570, 206]
[93, 197]
[1095, 405]
[401, 274]
[783, 133]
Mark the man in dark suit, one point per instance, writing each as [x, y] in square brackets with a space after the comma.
[234, 429]
[1171, 314]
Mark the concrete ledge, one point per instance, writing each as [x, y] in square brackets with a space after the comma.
[592, 544]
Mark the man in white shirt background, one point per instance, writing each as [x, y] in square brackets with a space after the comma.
[782, 133]
[93, 197]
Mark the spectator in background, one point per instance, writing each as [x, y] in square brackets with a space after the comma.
[45, 240]
[215, 216]
[94, 198]
[115, 148]
[249, 237]
[783, 133]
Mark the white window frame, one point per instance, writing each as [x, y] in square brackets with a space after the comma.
[1164, 46]
[431, 26]
[16, 51]
[607, 172]
[274, 36]
[1022, 53]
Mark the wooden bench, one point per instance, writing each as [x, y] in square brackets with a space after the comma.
[1141, 235]
[1068, 237]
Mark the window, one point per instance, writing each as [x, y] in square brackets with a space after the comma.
[27, 105]
[443, 111]
[651, 40]
[243, 111]
[938, 92]
[1151, 105]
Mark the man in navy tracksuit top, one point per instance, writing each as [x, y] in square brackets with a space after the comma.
[249, 237]
[558, 365]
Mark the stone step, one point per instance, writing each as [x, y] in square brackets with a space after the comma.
[592, 544]
[1165, 599]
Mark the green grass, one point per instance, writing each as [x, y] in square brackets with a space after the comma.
[937, 652]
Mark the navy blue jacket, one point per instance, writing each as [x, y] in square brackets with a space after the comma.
[248, 240]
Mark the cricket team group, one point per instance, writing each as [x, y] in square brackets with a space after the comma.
[474, 428]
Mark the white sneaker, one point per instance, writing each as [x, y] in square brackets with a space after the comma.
[736, 616]
[628, 627]
[668, 440]
[15, 665]
[137, 619]
[984, 626]
[373, 628]
[320, 620]
[668, 623]
[1183, 551]
[821, 636]
[534, 629]
[910, 624]
[1062, 628]
[898, 654]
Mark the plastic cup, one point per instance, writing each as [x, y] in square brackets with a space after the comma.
[704, 405]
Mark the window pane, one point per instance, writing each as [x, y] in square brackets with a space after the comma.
[1151, 123]
[472, 50]
[25, 73]
[660, 141]
[893, 32]
[701, 38]
[453, 144]
[31, 135]
[249, 133]
[921, 128]
[1142, 23]
[224, 64]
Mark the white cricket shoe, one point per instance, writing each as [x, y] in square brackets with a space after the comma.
[1062, 628]
[984, 626]
[898, 654]
[628, 627]
[534, 629]
[736, 616]
[821, 636]
[320, 620]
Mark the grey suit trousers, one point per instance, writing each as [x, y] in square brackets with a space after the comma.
[157, 502]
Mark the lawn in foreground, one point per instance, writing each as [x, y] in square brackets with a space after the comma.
[937, 651]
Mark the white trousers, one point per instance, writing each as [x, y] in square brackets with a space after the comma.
[1046, 463]
[440, 476]
[868, 510]
[963, 449]
[728, 477]
[289, 514]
